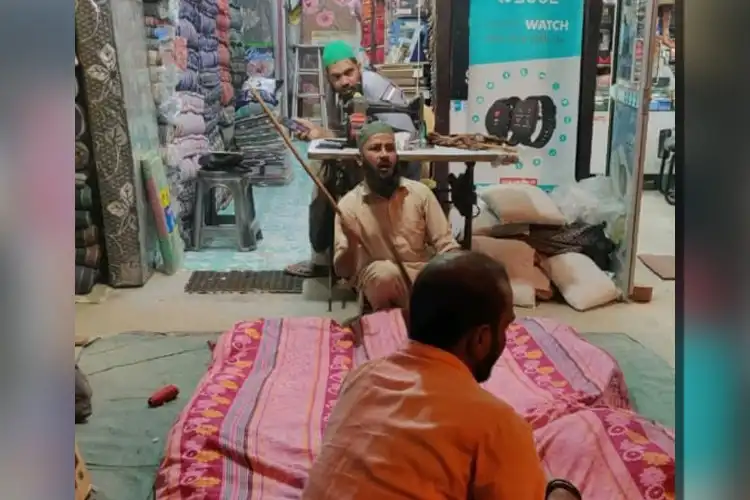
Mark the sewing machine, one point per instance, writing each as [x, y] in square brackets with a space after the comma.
[358, 111]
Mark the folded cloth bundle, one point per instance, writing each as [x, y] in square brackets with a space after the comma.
[81, 178]
[227, 93]
[209, 59]
[84, 199]
[155, 21]
[157, 10]
[180, 53]
[161, 32]
[186, 30]
[154, 57]
[193, 60]
[166, 133]
[189, 124]
[206, 24]
[213, 95]
[208, 43]
[224, 58]
[223, 23]
[83, 219]
[85, 279]
[215, 140]
[185, 147]
[209, 79]
[191, 102]
[82, 156]
[189, 13]
[226, 115]
[209, 7]
[90, 256]
[87, 237]
[189, 80]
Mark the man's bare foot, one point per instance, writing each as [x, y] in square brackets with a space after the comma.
[306, 269]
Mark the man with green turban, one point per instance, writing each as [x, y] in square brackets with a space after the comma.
[346, 77]
[403, 210]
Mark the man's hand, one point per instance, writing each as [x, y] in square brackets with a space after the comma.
[313, 131]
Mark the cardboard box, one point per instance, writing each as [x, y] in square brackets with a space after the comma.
[82, 477]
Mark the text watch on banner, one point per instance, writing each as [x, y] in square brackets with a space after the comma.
[524, 79]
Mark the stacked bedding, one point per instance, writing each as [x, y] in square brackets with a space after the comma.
[236, 47]
[226, 115]
[208, 75]
[242, 435]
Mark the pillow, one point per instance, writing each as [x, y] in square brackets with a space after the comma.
[522, 204]
[524, 294]
[580, 281]
[165, 218]
[518, 259]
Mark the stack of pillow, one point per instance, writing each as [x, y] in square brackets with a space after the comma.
[511, 216]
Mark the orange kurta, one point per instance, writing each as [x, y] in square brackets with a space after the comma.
[417, 425]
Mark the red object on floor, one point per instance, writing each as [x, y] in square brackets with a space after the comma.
[163, 395]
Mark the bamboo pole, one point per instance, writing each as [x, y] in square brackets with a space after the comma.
[331, 200]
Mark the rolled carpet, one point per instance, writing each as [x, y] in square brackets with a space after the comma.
[83, 219]
[82, 156]
[84, 198]
[90, 256]
[81, 178]
[87, 237]
[85, 279]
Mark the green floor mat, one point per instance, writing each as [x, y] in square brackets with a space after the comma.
[124, 440]
[650, 379]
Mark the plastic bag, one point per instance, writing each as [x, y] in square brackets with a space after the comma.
[593, 201]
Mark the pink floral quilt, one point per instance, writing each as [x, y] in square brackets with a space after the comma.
[255, 422]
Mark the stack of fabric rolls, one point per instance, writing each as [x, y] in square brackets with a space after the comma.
[88, 238]
[236, 47]
[226, 116]
[210, 82]
[264, 152]
[190, 141]
[165, 57]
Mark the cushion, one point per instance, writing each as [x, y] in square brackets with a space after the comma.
[518, 257]
[522, 204]
[580, 281]
[165, 218]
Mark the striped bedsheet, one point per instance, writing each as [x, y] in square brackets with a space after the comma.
[255, 422]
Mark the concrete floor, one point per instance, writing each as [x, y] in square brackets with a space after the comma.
[162, 306]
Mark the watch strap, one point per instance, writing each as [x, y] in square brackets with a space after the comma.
[549, 121]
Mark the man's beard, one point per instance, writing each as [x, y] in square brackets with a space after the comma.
[483, 369]
[348, 93]
[382, 186]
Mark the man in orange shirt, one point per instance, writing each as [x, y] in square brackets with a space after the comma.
[416, 424]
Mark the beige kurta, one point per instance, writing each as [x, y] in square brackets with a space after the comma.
[413, 220]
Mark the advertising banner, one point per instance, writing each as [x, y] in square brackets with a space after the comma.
[524, 79]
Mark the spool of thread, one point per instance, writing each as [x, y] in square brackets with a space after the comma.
[163, 395]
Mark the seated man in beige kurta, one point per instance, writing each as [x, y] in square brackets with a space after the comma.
[387, 205]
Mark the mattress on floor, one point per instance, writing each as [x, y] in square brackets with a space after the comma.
[256, 420]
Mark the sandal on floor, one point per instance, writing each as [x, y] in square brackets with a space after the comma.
[306, 269]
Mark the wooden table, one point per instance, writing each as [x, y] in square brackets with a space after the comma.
[462, 188]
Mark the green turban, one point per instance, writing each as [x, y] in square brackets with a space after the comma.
[372, 129]
[337, 51]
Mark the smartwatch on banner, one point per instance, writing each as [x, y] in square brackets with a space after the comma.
[549, 122]
[499, 116]
[523, 121]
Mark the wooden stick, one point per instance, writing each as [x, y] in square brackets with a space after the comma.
[331, 200]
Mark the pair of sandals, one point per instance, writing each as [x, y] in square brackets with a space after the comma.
[307, 269]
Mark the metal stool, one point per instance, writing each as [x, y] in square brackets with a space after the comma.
[208, 223]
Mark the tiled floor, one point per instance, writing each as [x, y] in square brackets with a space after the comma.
[282, 214]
